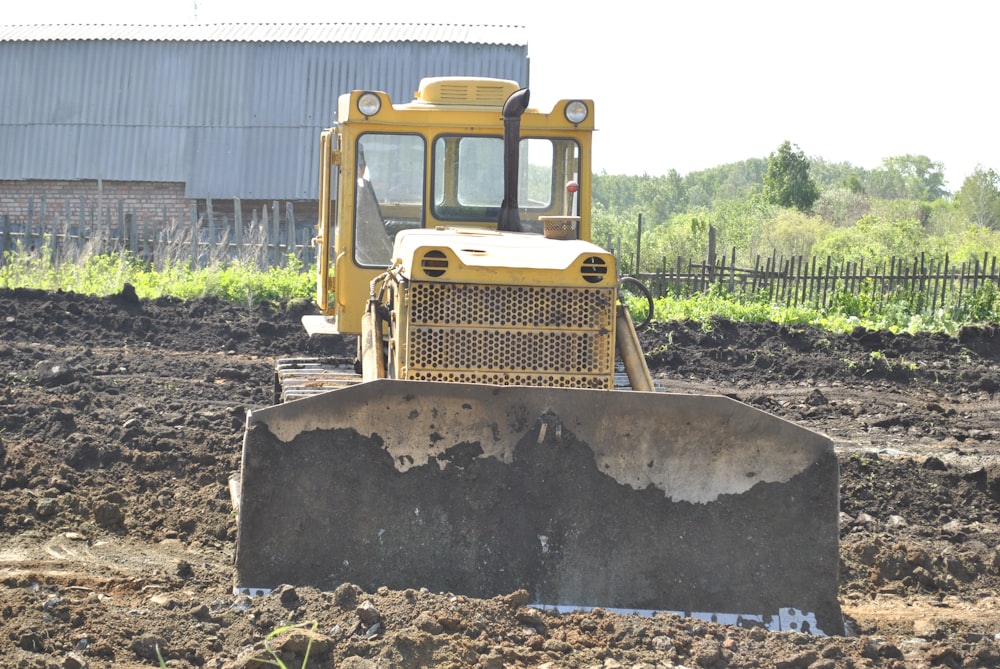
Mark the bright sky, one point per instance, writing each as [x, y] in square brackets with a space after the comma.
[845, 80]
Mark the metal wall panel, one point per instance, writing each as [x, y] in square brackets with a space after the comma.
[227, 117]
[270, 32]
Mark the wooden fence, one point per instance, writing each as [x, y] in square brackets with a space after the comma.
[264, 237]
[924, 284]
[267, 238]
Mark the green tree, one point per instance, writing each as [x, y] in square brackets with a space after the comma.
[661, 197]
[792, 233]
[740, 224]
[787, 182]
[908, 177]
[841, 206]
[874, 239]
[835, 175]
[979, 198]
[853, 183]
[658, 198]
[685, 236]
[969, 244]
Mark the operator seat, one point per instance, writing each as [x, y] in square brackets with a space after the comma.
[372, 245]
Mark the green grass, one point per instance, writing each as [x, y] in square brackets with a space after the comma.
[899, 314]
[243, 282]
[234, 281]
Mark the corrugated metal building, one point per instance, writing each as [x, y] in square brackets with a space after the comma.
[227, 110]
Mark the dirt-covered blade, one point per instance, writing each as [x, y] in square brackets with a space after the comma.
[622, 500]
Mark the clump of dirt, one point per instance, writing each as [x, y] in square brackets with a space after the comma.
[121, 421]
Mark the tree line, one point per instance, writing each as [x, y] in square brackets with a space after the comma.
[792, 205]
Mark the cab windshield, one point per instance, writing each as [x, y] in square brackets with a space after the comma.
[466, 182]
[468, 179]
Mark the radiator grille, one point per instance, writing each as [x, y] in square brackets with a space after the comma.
[511, 335]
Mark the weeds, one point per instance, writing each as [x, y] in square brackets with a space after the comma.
[172, 271]
[843, 316]
[237, 281]
[275, 654]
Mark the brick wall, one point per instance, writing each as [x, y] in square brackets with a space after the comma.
[148, 201]
[151, 203]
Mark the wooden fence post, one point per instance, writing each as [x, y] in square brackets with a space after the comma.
[732, 272]
[129, 241]
[276, 259]
[29, 224]
[210, 215]
[194, 234]
[711, 253]
[6, 239]
[52, 241]
[265, 233]
[82, 224]
[43, 218]
[289, 232]
[238, 225]
[638, 247]
[121, 224]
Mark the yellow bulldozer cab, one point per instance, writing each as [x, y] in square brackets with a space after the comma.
[435, 162]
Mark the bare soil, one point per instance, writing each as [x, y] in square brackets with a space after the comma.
[121, 420]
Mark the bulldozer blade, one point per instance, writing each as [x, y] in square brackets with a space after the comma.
[624, 500]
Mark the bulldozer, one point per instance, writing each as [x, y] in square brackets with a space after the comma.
[498, 429]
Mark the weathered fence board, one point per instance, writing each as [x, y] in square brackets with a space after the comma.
[927, 285]
[264, 240]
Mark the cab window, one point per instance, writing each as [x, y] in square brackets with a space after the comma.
[468, 178]
[388, 193]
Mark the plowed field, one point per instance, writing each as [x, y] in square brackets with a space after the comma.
[121, 420]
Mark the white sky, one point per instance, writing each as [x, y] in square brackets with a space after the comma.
[845, 80]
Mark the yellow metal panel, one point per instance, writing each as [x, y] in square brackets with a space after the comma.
[475, 255]
[451, 116]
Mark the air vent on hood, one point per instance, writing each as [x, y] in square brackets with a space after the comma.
[594, 269]
[434, 264]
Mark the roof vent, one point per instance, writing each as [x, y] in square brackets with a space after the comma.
[470, 91]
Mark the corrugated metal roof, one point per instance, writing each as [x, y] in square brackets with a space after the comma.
[271, 32]
[226, 118]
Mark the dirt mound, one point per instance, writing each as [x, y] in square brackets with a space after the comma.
[121, 421]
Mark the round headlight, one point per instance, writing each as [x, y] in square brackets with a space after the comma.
[369, 104]
[576, 111]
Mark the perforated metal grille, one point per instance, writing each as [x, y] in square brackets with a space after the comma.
[511, 335]
[511, 306]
